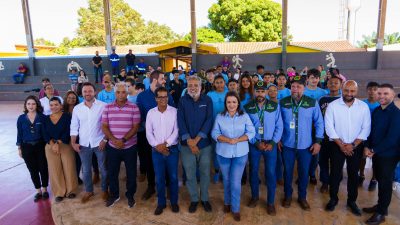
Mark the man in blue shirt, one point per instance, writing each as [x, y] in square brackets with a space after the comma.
[146, 101]
[130, 61]
[283, 91]
[196, 148]
[267, 120]
[373, 103]
[141, 66]
[300, 114]
[313, 91]
[114, 58]
[106, 95]
[383, 145]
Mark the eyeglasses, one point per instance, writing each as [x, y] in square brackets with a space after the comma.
[106, 82]
[162, 97]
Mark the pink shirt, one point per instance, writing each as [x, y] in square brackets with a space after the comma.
[120, 120]
[162, 127]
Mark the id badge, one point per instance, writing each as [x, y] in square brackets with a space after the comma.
[261, 130]
[292, 125]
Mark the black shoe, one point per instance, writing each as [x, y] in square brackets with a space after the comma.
[45, 195]
[71, 195]
[159, 210]
[372, 185]
[206, 206]
[175, 208]
[313, 181]
[80, 181]
[376, 219]
[37, 197]
[59, 199]
[148, 193]
[111, 201]
[193, 207]
[253, 203]
[354, 208]
[131, 202]
[370, 209]
[331, 205]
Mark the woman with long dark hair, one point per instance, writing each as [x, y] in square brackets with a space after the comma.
[71, 99]
[59, 153]
[246, 89]
[30, 142]
[232, 130]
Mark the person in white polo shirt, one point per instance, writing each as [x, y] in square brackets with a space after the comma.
[348, 124]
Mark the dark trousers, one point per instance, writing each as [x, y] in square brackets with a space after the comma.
[147, 160]
[325, 161]
[384, 171]
[35, 159]
[353, 163]
[98, 72]
[114, 159]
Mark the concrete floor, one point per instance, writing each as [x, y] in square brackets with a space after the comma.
[17, 206]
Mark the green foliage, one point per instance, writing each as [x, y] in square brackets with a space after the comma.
[247, 20]
[205, 35]
[127, 26]
[42, 41]
[370, 40]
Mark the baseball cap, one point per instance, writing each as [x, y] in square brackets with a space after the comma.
[260, 85]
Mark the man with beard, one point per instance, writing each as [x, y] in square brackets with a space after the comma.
[195, 117]
[300, 114]
[348, 124]
[267, 120]
[146, 101]
[86, 122]
[383, 146]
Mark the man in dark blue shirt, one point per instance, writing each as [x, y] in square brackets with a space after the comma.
[383, 146]
[130, 61]
[195, 117]
[145, 101]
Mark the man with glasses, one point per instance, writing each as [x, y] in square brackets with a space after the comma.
[146, 101]
[196, 150]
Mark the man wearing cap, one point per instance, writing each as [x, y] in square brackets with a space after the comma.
[267, 120]
[299, 114]
[130, 61]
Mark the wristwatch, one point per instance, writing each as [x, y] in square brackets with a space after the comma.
[105, 140]
[167, 145]
[123, 139]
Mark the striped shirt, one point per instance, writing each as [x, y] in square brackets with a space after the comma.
[120, 120]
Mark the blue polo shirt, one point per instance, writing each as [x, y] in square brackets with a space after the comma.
[195, 118]
[299, 136]
[114, 58]
[315, 94]
[218, 100]
[283, 93]
[371, 106]
[106, 96]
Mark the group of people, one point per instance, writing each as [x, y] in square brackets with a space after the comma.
[216, 123]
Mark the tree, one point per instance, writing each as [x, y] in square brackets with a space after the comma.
[370, 41]
[205, 35]
[42, 41]
[127, 26]
[247, 20]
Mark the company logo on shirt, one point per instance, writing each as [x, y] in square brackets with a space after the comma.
[200, 106]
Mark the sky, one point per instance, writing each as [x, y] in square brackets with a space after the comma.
[309, 20]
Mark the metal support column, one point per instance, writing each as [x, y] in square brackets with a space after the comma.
[29, 38]
[194, 33]
[284, 33]
[107, 25]
[380, 33]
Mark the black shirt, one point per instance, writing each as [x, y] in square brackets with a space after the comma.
[177, 87]
[323, 105]
[130, 59]
[59, 131]
[97, 59]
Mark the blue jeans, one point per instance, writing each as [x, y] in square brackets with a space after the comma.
[114, 159]
[166, 164]
[129, 68]
[279, 166]
[98, 72]
[214, 156]
[397, 173]
[313, 165]
[232, 170]
[190, 162]
[303, 157]
[86, 154]
[19, 78]
[269, 172]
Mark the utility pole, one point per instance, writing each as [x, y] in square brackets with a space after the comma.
[194, 33]
[381, 32]
[284, 33]
[28, 33]
[107, 25]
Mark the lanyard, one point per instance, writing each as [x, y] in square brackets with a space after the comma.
[295, 109]
[261, 114]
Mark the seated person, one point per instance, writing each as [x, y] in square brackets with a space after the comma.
[42, 93]
[20, 75]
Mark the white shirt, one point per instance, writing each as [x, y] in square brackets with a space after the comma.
[162, 127]
[86, 122]
[347, 123]
[45, 102]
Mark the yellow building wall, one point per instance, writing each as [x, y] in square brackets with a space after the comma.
[289, 49]
[12, 54]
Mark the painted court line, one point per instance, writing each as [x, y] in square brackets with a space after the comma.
[15, 207]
